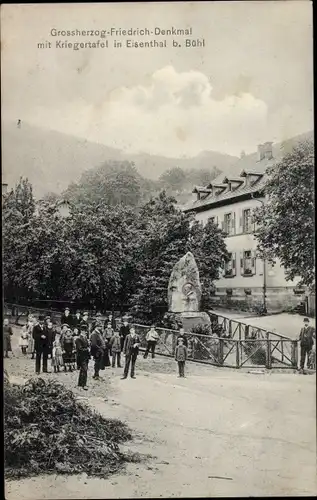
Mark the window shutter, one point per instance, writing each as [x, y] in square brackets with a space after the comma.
[253, 262]
[233, 223]
[242, 263]
[241, 222]
[217, 221]
[223, 225]
[234, 264]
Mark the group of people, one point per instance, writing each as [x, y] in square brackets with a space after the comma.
[71, 346]
[78, 340]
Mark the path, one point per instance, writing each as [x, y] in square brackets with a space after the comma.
[216, 433]
[284, 323]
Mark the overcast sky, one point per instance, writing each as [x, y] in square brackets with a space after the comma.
[251, 82]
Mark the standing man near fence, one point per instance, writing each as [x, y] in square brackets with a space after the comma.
[151, 339]
[131, 351]
[306, 338]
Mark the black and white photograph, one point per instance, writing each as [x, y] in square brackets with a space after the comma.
[158, 250]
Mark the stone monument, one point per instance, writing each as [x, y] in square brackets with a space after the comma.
[184, 293]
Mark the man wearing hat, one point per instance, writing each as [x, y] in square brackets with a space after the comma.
[77, 319]
[97, 346]
[67, 318]
[41, 345]
[84, 325]
[306, 338]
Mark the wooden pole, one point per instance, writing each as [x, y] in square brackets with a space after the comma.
[238, 354]
[268, 352]
[221, 351]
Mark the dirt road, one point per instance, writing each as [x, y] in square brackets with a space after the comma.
[217, 432]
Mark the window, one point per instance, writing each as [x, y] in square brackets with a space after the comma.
[214, 220]
[229, 224]
[230, 266]
[247, 263]
[247, 221]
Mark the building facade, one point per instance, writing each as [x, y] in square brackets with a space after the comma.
[247, 281]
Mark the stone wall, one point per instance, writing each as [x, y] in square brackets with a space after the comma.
[277, 299]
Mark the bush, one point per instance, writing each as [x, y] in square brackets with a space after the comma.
[48, 431]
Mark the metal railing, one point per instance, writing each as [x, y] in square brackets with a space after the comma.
[232, 352]
[231, 343]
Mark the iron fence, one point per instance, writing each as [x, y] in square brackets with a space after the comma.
[231, 343]
[229, 352]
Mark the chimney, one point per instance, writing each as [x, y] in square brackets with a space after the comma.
[4, 189]
[268, 151]
[242, 154]
[260, 152]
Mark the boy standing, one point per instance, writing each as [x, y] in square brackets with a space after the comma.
[181, 357]
[131, 351]
[115, 346]
[151, 339]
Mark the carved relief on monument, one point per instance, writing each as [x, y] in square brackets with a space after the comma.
[184, 289]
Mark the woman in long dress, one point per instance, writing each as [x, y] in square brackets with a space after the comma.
[68, 346]
[30, 324]
[57, 353]
[7, 334]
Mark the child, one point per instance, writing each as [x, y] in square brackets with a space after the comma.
[24, 339]
[68, 347]
[115, 346]
[181, 356]
[151, 339]
[57, 353]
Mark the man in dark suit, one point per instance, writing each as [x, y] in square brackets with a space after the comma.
[124, 331]
[77, 320]
[97, 346]
[306, 338]
[67, 318]
[131, 351]
[84, 325]
[41, 345]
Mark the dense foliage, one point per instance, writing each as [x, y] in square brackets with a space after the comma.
[47, 431]
[286, 223]
[105, 255]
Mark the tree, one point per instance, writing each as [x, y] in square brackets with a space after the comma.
[112, 183]
[17, 214]
[173, 179]
[286, 222]
[166, 234]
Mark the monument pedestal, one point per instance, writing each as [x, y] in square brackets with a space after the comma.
[191, 319]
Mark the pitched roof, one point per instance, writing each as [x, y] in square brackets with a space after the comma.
[248, 164]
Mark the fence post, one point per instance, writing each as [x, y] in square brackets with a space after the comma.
[238, 354]
[239, 331]
[230, 327]
[268, 352]
[294, 353]
[221, 341]
[246, 331]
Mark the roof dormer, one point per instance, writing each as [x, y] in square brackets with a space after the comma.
[251, 176]
[233, 182]
[219, 188]
[202, 192]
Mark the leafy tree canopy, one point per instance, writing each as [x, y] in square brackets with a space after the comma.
[286, 223]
